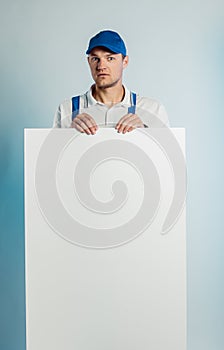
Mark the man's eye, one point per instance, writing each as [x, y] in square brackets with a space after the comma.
[111, 58]
[94, 59]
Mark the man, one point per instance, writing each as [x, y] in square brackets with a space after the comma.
[108, 102]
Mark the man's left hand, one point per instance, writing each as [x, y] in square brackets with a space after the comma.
[128, 123]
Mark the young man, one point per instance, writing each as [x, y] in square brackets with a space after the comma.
[108, 102]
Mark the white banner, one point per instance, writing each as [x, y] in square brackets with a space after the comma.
[105, 239]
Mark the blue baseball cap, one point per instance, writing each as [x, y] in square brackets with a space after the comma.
[108, 39]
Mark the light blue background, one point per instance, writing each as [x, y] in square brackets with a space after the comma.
[176, 55]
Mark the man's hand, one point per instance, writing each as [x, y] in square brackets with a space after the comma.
[84, 123]
[128, 123]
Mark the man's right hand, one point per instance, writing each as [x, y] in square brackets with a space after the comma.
[84, 123]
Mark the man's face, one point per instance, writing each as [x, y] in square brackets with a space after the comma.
[106, 67]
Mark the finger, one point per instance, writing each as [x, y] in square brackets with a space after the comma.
[135, 123]
[79, 122]
[128, 128]
[123, 119]
[77, 127]
[90, 122]
[132, 121]
[123, 127]
[92, 128]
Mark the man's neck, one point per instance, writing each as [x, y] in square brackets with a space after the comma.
[109, 96]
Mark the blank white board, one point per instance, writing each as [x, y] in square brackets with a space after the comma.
[105, 239]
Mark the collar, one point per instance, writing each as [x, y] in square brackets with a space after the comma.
[92, 101]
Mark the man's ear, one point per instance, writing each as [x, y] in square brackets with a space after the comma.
[125, 61]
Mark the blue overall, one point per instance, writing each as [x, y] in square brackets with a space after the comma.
[76, 104]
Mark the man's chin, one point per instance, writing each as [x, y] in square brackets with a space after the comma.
[106, 85]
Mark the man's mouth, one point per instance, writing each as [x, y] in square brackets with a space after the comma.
[102, 75]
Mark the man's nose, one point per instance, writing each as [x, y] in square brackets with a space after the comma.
[101, 64]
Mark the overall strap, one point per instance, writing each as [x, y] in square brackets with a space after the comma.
[75, 106]
[132, 108]
[76, 103]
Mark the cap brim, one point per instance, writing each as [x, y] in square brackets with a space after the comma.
[106, 46]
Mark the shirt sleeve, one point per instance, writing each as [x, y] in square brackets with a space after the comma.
[163, 115]
[63, 115]
[152, 113]
[57, 118]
